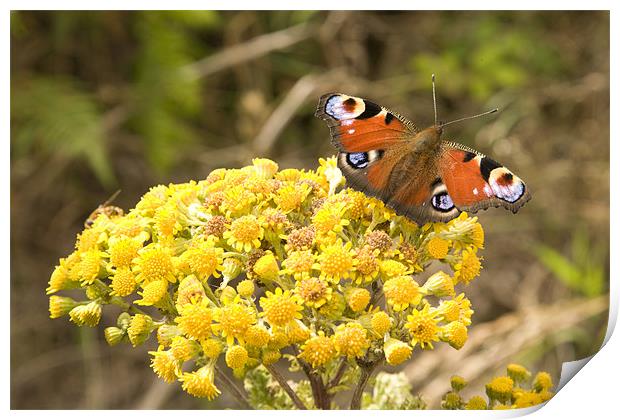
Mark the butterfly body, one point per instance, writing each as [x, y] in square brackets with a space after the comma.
[415, 172]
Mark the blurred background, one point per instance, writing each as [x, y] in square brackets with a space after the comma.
[102, 101]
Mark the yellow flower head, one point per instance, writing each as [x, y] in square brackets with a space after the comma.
[165, 334]
[266, 268]
[334, 307]
[301, 239]
[518, 373]
[367, 267]
[291, 197]
[378, 240]
[195, 320]
[257, 336]
[542, 382]
[437, 247]
[457, 309]
[233, 321]
[314, 292]
[140, 327]
[215, 226]
[476, 403]
[200, 383]
[297, 332]
[468, 268]
[61, 306]
[396, 351]
[457, 383]
[318, 350]
[237, 201]
[245, 233]
[527, 399]
[123, 282]
[245, 288]
[166, 219]
[336, 261]
[381, 323]
[236, 357]
[264, 168]
[439, 284]
[423, 327]
[500, 389]
[153, 293]
[184, 349]
[280, 308]
[401, 292]
[88, 315]
[298, 264]
[212, 347]
[154, 263]
[59, 280]
[393, 268]
[358, 298]
[190, 290]
[165, 365]
[270, 356]
[451, 401]
[455, 334]
[351, 340]
[330, 219]
[204, 259]
[90, 266]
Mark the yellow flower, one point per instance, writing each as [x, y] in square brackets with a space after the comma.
[165, 334]
[336, 261]
[190, 290]
[358, 298]
[396, 352]
[451, 401]
[401, 292]
[468, 268]
[457, 309]
[165, 365]
[297, 332]
[155, 198]
[140, 327]
[266, 268]
[301, 239]
[527, 399]
[257, 336]
[270, 356]
[89, 239]
[184, 349]
[245, 233]
[291, 197]
[88, 315]
[437, 247]
[457, 383]
[278, 339]
[280, 308]
[233, 321]
[378, 240]
[518, 373]
[318, 350]
[264, 168]
[245, 288]
[167, 220]
[313, 292]
[123, 282]
[477, 236]
[381, 323]
[215, 226]
[542, 382]
[392, 268]
[212, 347]
[236, 356]
[334, 307]
[351, 340]
[298, 264]
[61, 306]
[90, 265]
[59, 280]
[500, 389]
[476, 403]
[439, 284]
[423, 328]
[455, 334]
[330, 219]
[204, 259]
[200, 383]
[113, 335]
[153, 293]
[154, 263]
[367, 267]
[195, 320]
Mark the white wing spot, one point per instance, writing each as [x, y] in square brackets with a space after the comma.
[351, 131]
[475, 191]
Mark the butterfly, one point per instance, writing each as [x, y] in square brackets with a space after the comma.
[415, 172]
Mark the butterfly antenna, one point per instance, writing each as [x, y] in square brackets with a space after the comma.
[434, 97]
[112, 198]
[470, 118]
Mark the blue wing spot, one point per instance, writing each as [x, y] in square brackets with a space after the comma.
[442, 202]
[358, 160]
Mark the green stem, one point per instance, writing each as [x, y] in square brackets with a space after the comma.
[285, 386]
[233, 389]
[356, 401]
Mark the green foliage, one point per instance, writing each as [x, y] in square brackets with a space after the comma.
[584, 271]
[54, 116]
[488, 56]
[264, 393]
[392, 391]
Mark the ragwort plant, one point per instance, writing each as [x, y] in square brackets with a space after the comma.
[254, 266]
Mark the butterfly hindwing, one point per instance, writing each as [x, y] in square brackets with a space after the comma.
[475, 181]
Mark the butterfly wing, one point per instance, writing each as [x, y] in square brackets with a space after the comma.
[475, 181]
[377, 157]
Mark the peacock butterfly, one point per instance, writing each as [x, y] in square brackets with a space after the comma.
[414, 172]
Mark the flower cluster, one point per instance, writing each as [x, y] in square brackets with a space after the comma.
[515, 390]
[253, 264]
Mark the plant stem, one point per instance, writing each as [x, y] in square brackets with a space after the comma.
[233, 389]
[319, 392]
[285, 386]
[336, 379]
[366, 371]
